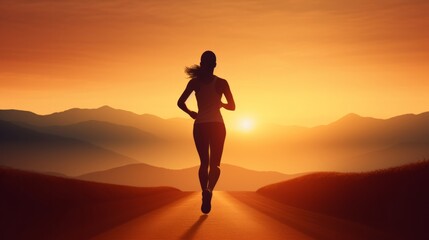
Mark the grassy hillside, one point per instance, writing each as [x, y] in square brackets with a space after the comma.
[393, 200]
[36, 206]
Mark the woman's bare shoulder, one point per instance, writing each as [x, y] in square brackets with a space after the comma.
[222, 81]
[221, 84]
[193, 82]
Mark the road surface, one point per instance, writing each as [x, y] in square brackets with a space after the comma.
[240, 215]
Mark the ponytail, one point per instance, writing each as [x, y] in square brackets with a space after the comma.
[193, 71]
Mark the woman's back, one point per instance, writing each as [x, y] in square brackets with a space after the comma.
[209, 101]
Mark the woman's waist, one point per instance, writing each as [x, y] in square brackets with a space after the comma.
[209, 116]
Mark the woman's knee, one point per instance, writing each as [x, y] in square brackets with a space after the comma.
[204, 166]
[214, 167]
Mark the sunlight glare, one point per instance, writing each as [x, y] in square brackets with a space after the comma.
[246, 124]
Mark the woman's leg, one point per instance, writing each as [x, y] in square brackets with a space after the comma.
[201, 139]
[217, 140]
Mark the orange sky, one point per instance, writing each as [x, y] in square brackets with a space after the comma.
[300, 62]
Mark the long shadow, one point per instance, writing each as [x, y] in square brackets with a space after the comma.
[188, 235]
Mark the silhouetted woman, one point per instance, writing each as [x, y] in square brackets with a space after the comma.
[209, 129]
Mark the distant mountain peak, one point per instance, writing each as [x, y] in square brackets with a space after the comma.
[351, 116]
[76, 109]
[355, 119]
[106, 107]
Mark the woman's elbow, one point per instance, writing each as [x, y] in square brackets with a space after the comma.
[180, 103]
[232, 107]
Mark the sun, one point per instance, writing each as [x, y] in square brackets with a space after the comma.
[246, 124]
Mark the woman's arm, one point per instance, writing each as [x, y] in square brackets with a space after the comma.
[181, 102]
[230, 104]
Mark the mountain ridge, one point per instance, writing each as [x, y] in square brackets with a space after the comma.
[107, 108]
[147, 122]
[343, 145]
[52, 153]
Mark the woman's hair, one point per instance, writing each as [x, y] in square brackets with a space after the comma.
[208, 63]
[193, 71]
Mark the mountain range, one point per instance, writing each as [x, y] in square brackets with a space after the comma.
[84, 150]
[166, 128]
[145, 137]
[353, 143]
[28, 149]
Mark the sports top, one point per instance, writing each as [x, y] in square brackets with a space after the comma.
[208, 100]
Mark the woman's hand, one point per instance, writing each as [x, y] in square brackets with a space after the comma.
[193, 114]
[227, 106]
[230, 104]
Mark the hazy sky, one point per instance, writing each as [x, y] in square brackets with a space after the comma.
[300, 62]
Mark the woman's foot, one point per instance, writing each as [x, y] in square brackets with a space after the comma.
[207, 198]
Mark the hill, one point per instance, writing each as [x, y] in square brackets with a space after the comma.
[36, 206]
[24, 148]
[232, 178]
[393, 200]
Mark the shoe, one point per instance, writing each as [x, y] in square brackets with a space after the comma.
[207, 198]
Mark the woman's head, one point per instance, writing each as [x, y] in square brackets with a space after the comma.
[206, 67]
[208, 60]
